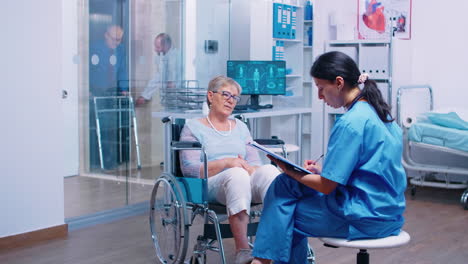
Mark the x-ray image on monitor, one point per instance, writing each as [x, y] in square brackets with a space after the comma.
[259, 77]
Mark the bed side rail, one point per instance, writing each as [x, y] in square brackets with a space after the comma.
[404, 88]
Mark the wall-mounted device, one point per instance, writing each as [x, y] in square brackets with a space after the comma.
[211, 46]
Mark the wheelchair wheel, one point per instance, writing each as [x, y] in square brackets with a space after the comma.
[168, 220]
[198, 260]
[310, 255]
[464, 199]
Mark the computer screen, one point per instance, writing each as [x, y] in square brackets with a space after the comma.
[259, 77]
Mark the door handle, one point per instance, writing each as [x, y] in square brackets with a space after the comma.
[64, 94]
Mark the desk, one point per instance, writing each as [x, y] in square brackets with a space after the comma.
[272, 112]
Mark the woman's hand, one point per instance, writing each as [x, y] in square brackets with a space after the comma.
[235, 162]
[241, 163]
[312, 166]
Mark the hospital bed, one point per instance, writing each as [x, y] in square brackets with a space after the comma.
[435, 142]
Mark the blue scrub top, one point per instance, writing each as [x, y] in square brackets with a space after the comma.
[364, 158]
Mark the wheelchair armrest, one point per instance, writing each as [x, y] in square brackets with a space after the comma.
[186, 145]
[166, 119]
[269, 141]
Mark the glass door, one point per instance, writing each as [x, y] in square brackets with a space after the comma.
[128, 50]
[108, 86]
[156, 38]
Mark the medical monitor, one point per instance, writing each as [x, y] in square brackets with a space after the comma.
[258, 77]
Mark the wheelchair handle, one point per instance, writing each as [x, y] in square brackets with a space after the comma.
[179, 145]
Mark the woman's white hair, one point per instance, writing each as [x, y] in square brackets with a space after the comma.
[220, 81]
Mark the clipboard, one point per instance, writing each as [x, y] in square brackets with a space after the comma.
[267, 151]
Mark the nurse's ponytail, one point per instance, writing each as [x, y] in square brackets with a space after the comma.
[332, 64]
[372, 94]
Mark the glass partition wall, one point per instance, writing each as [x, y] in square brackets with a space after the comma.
[129, 54]
[127, 51]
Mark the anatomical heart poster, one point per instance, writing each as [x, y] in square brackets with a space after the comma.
[377, 19]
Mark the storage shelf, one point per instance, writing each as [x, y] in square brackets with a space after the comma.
[295, 3]
[378, 79]
[307, 47]
[308, 21]
[268, 41]
[288, 40]
[372, 57]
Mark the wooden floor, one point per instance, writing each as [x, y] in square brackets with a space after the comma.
[86, 195]
[435, 220]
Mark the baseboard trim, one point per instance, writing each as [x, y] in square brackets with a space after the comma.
[108, 216]
[61, 231]
[33, 237]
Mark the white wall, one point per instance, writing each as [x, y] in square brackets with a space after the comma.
[439, 53]
[31, 187]
[240, 28]
[212, 24]
[190, 37]
[70, 84]
[435, 55]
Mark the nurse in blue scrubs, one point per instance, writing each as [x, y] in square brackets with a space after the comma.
[359, 192]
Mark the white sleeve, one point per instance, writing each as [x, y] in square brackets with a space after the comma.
[173, 62]
[152, 85]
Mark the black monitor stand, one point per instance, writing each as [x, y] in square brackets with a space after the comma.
[254, 103]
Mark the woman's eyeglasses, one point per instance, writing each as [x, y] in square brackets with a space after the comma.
[227, 95]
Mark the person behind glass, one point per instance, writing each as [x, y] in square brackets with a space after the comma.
[166, 68]
[108, 68]
[236, 176]
[359, 191]
[108, 76]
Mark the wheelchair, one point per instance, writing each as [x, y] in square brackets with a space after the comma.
[177, 201]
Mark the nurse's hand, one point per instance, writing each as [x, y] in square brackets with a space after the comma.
[312, 166]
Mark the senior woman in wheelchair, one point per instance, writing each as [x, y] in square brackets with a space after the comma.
[236, 176]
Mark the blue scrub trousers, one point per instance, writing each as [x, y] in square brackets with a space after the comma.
[292, 212]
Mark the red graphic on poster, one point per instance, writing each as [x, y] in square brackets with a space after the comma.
[374, 17]
[383, 19]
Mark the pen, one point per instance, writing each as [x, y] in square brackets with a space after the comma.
[321, 156]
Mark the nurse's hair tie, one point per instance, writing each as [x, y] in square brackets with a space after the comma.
[363, 78]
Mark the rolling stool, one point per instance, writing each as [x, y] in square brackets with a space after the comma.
[364, 244]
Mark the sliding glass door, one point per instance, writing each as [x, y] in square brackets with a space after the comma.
[127, 51]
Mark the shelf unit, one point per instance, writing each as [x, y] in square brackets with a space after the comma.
[298, 57]
[307, 55]
[372, 57]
